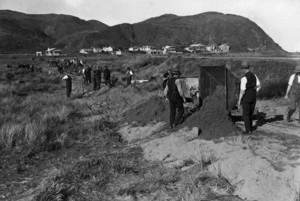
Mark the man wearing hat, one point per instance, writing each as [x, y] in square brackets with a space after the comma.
[249, 87]
[293, 90]
[175, 96]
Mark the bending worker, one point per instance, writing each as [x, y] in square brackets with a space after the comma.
[293, 90]
[175, 96]
[250, 85]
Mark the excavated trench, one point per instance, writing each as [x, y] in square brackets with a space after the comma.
[258, 166]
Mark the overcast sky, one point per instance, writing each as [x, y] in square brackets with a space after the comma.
[280, 19]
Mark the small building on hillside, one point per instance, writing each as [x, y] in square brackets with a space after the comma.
[196, 48]
[133, 49]
[169, 49]
[39, 54]
[224, 48]
[212, 48]
[108, 49]
[97, 49]
[145, 48]
[53, 52]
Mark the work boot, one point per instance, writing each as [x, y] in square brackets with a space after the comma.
[289, 114]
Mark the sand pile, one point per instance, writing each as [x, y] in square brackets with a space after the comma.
[154, 109]
[212, 118]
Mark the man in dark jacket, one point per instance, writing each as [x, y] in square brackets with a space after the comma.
[89, 74]
[95, 78]
[249, 86]
[99, 76]
[293, 91]
[106, 75]
[68, 80]
[175, 96]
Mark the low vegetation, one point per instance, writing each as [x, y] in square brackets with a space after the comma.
[54, 148]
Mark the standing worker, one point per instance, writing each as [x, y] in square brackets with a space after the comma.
[95, 78]
[85, 75]
[106, 75]
[293, 90]
[99, 76]
[175, 96]
[68, 80]
[89, 74]
[250, 85]
[129, 75]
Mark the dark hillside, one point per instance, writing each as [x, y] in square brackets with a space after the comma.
[21, 32]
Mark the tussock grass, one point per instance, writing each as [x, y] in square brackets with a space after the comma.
[30, 115]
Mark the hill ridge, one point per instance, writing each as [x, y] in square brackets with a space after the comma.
[72, 33]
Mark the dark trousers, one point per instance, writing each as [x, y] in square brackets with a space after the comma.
[248, 110]
[176, 112]
[95, 84]
[129, 80]
[294, 103]
[107, 81]
[68, 90]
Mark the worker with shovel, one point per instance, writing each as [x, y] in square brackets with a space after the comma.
[293, 91]
[250, 85]
[175, 96]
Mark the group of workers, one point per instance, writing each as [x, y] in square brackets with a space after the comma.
[249, 86]
[90, 75]
[94, 75]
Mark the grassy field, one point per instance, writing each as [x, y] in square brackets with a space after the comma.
[55, 148]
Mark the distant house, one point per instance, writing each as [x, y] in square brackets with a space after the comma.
[169, 49]
[108, 49]
[196, 47]
[39, 54]
[224, 48]
[155, 52]
[145, 48]
[97, 49]
[212, 48]
[83, 51]
[133, 49]
[119, 53]
[53, 52]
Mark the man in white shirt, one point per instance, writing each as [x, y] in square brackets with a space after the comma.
[129, 75]
[250, 85]
[293, 90]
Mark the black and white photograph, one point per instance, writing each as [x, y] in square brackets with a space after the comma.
[149, 100]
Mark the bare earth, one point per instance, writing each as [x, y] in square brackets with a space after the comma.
[264, 166]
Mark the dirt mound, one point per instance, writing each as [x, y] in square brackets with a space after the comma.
[153, 109]
[212, 118]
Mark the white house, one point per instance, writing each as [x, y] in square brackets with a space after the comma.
[119, 53]
[108, 49]
[83, 51]
[53, 52]
[39, 54]
[224, 48]
[145, 48]
[96, 49]
[196, 47]
[133, 49]
[212, 48]
[169, 49]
